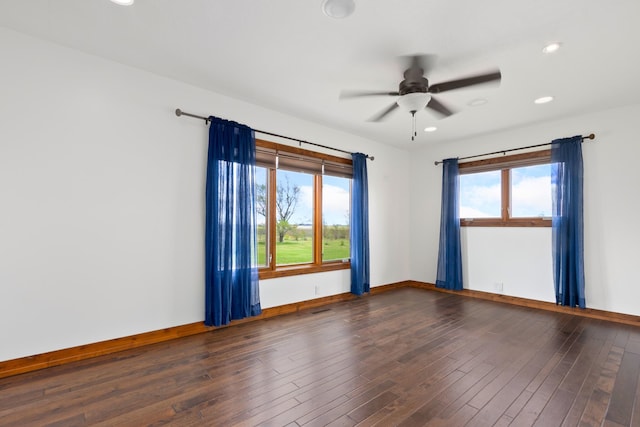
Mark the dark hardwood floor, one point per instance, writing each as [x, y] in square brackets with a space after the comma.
[407, 357]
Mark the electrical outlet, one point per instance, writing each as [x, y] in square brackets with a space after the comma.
[498, 287]
[317, 290]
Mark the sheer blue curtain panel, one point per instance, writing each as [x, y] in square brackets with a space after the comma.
[567, 221]
[231, 274]
[449, 273]
[359, 227]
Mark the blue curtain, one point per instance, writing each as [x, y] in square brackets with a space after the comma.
[231, 274]
[449, 275]
[359, 230]
[567, 221]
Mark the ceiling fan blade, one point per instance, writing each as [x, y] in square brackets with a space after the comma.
[421, 61]
[469, 81]
[439, 107]
[362, 93]
[381, 115]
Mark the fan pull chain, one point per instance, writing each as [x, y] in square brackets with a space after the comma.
[413, 126]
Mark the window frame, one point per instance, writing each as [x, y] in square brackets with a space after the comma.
[505, 164]
[272, 270]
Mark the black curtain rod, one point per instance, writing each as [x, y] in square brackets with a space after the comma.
[590, 136]
[179, 113]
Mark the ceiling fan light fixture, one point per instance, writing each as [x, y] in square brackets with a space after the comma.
[338, 8]
[415, 101]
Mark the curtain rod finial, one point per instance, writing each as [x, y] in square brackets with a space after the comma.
[178, 112]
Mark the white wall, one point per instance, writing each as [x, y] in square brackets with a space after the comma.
[508, 261]
[521, 258]
[101, 187]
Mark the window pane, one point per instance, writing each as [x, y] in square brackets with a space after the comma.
[262, 199]
[336, 199]
[480, 195]
[531, 191]
[294, 217]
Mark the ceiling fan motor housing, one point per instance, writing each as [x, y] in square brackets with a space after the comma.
[413, 85]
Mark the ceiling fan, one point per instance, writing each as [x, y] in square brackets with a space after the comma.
[415, 93]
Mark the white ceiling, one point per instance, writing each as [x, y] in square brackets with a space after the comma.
[288, 56]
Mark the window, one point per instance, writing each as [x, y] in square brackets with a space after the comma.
[510, 191]
[336, 200]
[294, 217]
[303, 202]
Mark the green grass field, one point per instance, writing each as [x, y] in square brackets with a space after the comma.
[301, 251]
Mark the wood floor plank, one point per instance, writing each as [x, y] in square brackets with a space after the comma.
[598, 402]
[407, 357]
[623, 395]
[635, 416]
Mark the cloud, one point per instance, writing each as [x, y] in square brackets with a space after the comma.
[532, 197]
[334, 198]
[469, 212]
[335, 204]
[480, 201]
[304, 208]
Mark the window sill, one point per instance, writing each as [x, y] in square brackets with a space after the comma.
[514, 222]
[295, 270]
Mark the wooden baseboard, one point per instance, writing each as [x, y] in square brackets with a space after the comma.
[627, 319]
[59, 357]
[73, 354]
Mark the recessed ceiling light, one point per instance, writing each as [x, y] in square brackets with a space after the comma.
[551, 47]
[477, 102]
[430, 129]
[337, 8]
[543, 99]
[123, 2]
